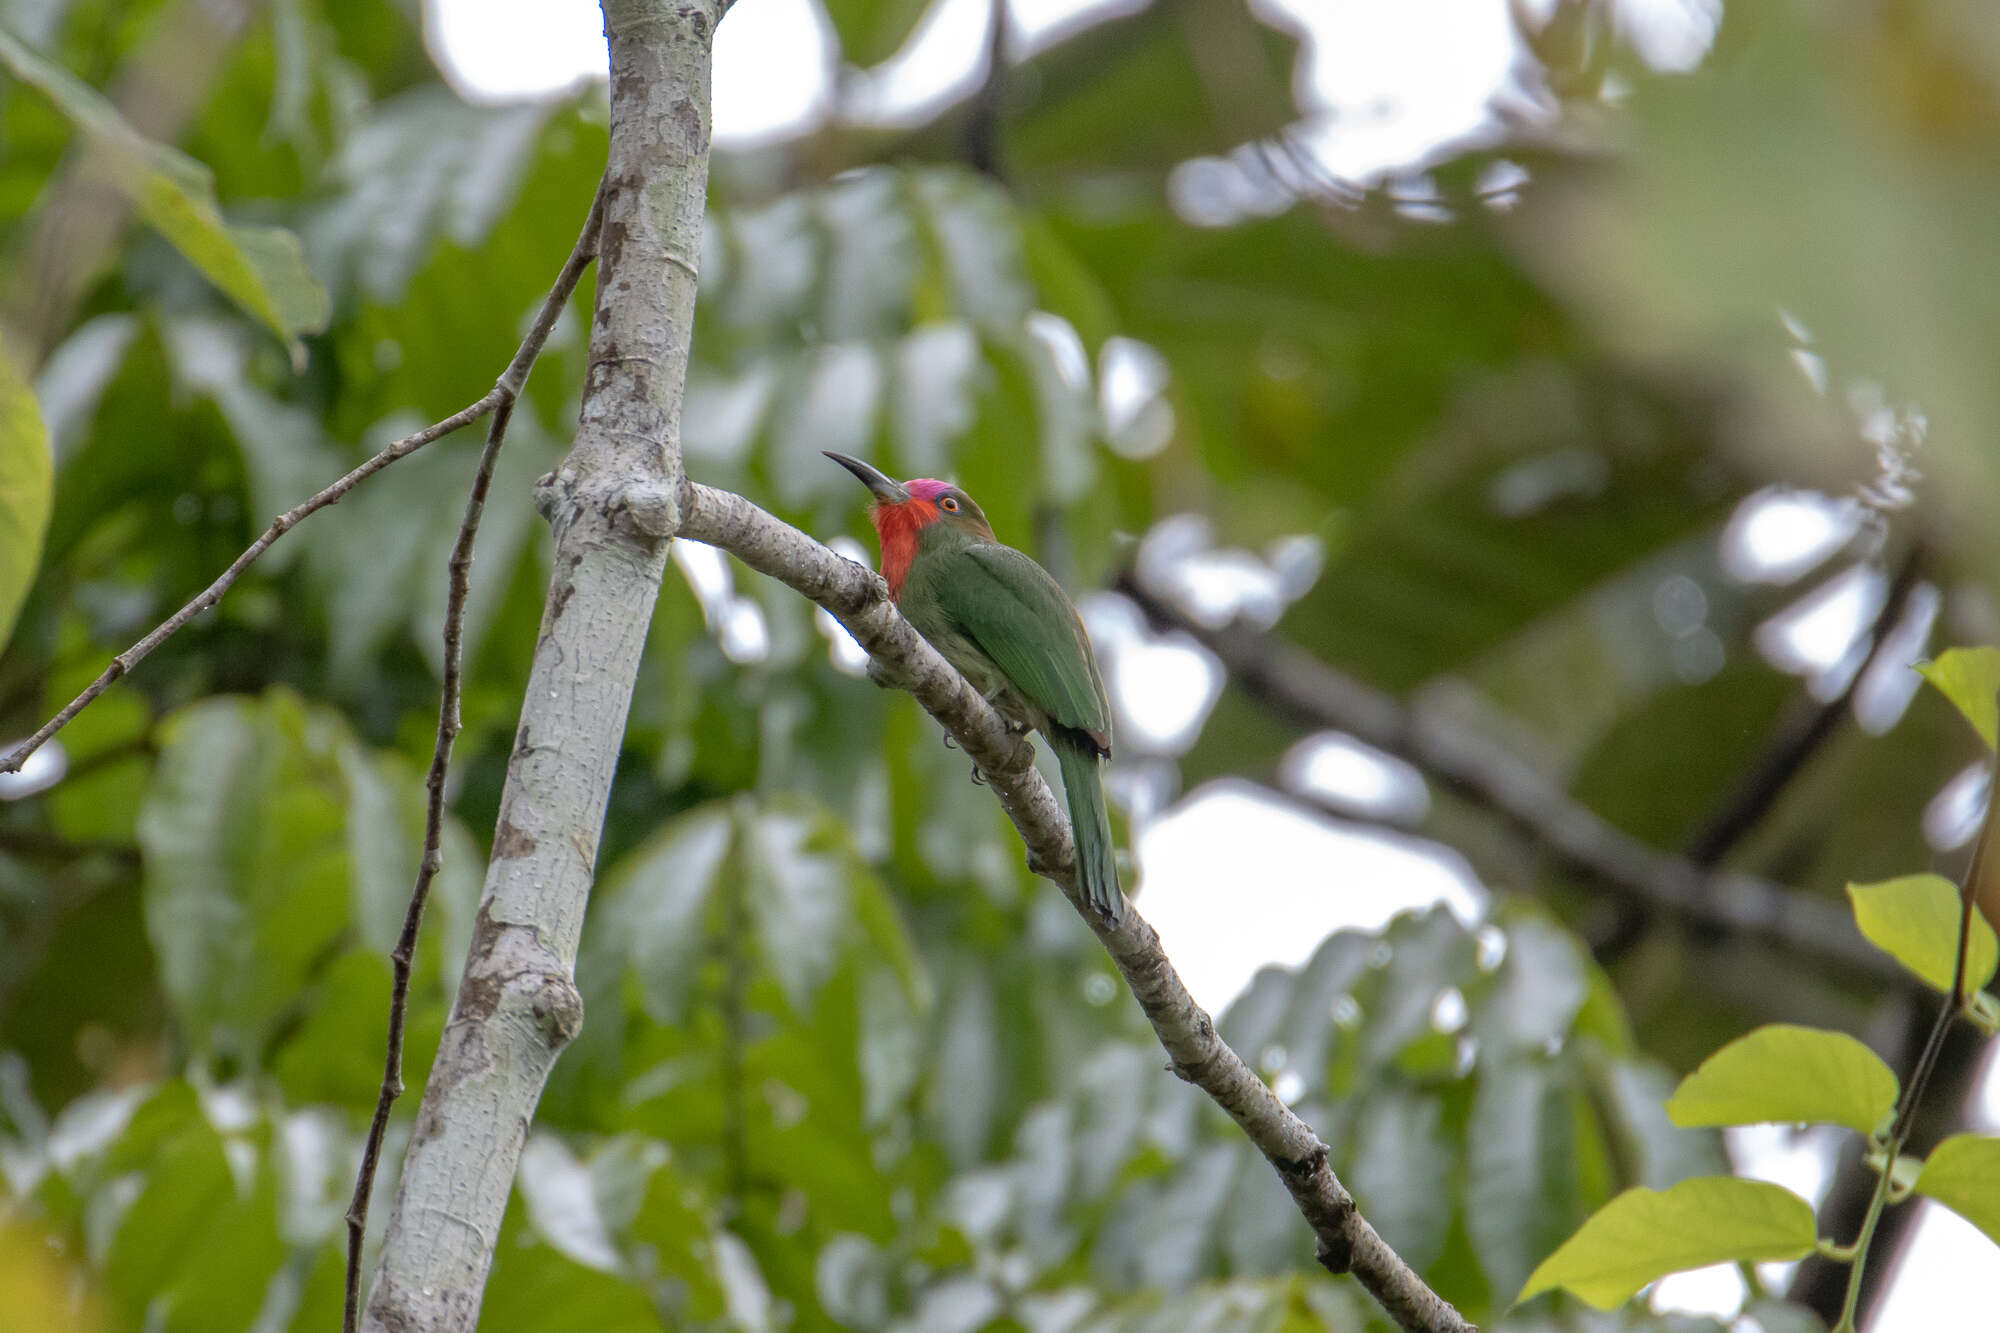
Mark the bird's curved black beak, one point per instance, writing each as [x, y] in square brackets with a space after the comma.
[884, 487]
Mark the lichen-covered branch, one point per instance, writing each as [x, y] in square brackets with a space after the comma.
[858, 599]
[614, 505]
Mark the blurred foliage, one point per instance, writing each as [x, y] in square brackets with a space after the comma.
[846, 1064]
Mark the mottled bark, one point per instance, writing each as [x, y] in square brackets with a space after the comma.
[614, 507]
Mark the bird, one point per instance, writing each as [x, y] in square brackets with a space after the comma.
[1007, 626]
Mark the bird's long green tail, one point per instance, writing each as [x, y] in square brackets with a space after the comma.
[1096, 863]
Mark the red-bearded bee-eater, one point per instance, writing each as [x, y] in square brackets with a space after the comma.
[1005, 623]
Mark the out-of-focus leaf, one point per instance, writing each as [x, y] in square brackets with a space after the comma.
[1401, 1172]
[1963, 1174]
[871, 30]
[1915, 920]
[1537, 992]
[1970, 678]
[1840, 164]
[26, 482]
[419, 167]
[1535, 1160]
[258, 879]
[1425, 951]
[1643, 1234]
[1788, 1073]
[246, 865]
[262, 269]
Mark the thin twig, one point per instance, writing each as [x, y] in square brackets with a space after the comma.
[1919, 1080]
[1797, 742]
[212, 594]
[459, 577]
[858, 598]
[1306, 691]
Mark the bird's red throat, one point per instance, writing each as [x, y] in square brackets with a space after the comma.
[898, 525]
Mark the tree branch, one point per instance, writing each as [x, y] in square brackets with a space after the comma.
[1296, 686]
[459, 575]
[859, 600]
[1803, 733]
[615, 505]
[212, 594]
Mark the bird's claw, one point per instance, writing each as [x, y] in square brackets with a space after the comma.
[978, 776]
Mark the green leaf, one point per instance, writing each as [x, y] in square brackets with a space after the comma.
[27, 479]
[262, 269]
[1970, 678]
[1785, 1073]
[1645, 1234]
[1915, 919]
[246, 866]
[870, 31]
[1402, 1172]
[1963, 1174]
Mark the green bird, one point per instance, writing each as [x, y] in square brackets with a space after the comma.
[1005, 624]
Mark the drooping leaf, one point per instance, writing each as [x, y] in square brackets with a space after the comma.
[262, 269]
[1970, 678]
[1645, 1234]
[1963, 1174]
[26, 485]
[1915, 920]
[1787, 1073]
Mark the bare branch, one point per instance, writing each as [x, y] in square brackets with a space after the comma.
[459, 575]
[212, 594]
[1803, 734]
[858, 599]
[1301, 688]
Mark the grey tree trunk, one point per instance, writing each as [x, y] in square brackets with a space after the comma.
[615, 506]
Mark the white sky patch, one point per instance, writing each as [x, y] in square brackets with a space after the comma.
[1812, 635]
[1779, 533]
[1952, 818]
[1234, 882]
[1947, 1265]
[40, 771]
[1356, 777]
[1394, 82]
[1717, 1291]
[1163, 685]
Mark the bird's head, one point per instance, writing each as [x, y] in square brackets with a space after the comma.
[903, 510]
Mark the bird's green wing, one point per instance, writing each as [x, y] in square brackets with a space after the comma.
[1019, 617]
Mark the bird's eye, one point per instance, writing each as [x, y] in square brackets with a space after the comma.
[949, 505]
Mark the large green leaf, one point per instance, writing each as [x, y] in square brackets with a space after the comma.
[1788, 1073]
[1915, 920]
[262, 269]
[1644, 1234]
[26, 483]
